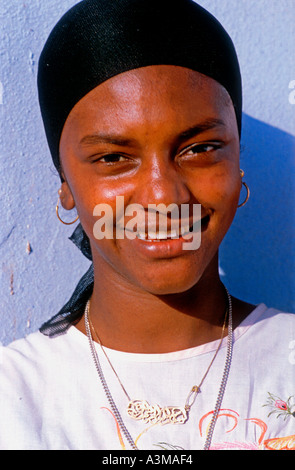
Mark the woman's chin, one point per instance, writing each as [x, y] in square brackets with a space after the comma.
[169, 284]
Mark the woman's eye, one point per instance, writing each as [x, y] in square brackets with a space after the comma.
[112, 158]
[199, 149]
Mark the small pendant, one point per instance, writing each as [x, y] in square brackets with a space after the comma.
[155, 414]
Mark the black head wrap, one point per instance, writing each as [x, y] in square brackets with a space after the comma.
[98, 39]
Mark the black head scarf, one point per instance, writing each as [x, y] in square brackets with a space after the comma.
[98, 39]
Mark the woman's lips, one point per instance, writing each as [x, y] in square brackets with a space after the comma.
[168, 244]
[165, 235]
[170, 233]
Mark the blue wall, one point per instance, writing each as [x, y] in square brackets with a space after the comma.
[40, 267]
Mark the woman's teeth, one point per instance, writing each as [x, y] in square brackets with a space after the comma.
[152, 236]
[163, 235]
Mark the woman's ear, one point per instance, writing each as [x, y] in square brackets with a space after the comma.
[66, 197]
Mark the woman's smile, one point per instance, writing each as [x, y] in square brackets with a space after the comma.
[170, 244]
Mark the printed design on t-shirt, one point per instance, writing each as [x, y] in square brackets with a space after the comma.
[120, 437]
[278, 443]
[235, 417]
[280, 407]
[118, 430]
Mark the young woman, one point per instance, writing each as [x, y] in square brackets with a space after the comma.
[141, 102]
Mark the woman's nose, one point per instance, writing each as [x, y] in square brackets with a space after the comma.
[163, 183]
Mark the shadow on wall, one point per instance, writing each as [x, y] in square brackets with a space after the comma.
[257, 257]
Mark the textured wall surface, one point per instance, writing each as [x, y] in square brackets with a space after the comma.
[40, 267]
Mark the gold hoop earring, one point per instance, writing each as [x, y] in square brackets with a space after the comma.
[247, 189]
[65, 223]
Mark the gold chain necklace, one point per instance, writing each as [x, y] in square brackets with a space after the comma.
[155, 414]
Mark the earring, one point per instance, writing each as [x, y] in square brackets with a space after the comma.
[247, 189]
[65, 223]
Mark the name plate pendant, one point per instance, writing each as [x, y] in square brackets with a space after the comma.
[155, 414]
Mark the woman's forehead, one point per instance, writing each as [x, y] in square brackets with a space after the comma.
[156, 100]
[149, 89]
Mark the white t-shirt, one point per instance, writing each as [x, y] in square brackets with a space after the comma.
[51, 397]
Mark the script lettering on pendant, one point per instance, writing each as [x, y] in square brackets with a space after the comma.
[155, 414]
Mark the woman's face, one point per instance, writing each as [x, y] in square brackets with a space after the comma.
[155, 135]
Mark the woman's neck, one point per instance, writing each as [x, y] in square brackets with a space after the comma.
[128, 319]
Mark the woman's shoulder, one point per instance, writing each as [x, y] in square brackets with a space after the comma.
[277, 325]
[37, 352]
[267, 331]
[29, 346]
[271, 317]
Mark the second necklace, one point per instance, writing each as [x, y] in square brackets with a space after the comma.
[155, 414]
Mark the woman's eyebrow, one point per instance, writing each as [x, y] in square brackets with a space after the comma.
[101, 138]
[203, 126]
[98, 138]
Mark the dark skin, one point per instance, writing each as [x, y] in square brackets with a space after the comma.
[159, 134]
